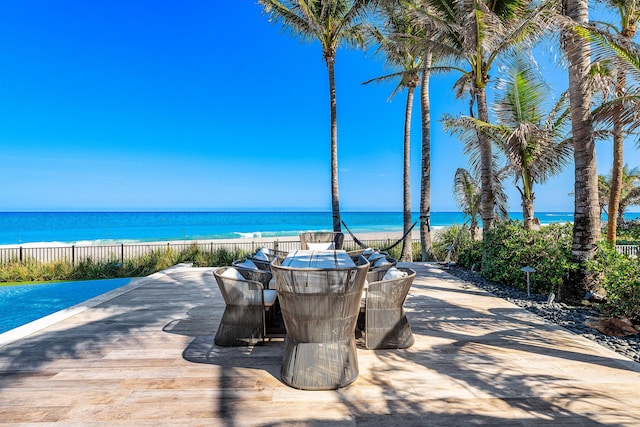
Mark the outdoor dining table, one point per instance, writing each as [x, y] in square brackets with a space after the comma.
[319, 294]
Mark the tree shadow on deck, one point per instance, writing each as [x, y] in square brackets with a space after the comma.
[461, 371]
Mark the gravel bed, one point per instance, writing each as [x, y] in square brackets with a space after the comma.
[569, 317]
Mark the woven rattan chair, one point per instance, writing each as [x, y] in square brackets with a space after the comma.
[257, 274]
[311, 240]
[262, 259]
[379, 261]
[243, 320]
[320, 309]
[386, 324]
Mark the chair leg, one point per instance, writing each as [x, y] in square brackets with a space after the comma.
[241, 325]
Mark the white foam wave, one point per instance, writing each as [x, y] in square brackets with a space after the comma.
[253, 234]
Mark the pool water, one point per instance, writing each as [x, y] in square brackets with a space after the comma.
[22, 304]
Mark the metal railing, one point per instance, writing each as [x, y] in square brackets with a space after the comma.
[629, 250]
[122, 252]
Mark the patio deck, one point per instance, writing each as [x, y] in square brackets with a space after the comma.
[147, 358]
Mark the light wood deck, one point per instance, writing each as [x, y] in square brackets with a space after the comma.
[147, 358]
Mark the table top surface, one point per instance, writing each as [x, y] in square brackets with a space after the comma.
[318, 259]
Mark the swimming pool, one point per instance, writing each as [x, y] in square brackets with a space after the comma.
[22, 304]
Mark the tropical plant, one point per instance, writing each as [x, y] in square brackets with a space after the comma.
[629, 14]
[394, 40]
[332, 23]
[508, 248]
[586, 230]
[621, 281]
[473, 35]
[467, 192]
[629, 192]
[534, 144]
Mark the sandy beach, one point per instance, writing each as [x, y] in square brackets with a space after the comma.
[415, 234]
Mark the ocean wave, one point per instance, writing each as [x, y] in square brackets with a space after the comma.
[249, 235]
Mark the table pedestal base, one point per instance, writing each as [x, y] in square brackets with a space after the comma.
[319, 366]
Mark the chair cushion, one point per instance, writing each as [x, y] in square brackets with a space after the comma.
[381, 262]
[375, 256]
[321, 246]
[272, 283]
[394, 273]
[261, 255]
[232, 273]
[368, 251]
[269, 296]
[248, 264]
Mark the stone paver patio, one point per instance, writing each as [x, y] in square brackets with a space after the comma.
[147, 357]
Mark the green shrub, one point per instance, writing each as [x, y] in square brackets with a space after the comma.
[508, 247]
[459, 238]
[33, 271]
[621, 279]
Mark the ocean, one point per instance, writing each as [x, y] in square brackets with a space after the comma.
[94, 228]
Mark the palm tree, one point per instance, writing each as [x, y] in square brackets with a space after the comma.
[467, 193]
[586, 228]
[425, 177]
[629, 13]
[535, 146]
[332, 23]
[629, 192]
[394, 42]
[474, 34]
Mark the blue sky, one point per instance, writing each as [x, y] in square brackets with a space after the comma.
[199, 105]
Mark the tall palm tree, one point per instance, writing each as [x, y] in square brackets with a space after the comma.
[394, 40]
[629, 13]
[474, 34]
[629, 192]
[332, 23]
[586, 227]
[425, 177]
[533, 142]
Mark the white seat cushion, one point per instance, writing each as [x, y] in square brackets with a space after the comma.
[368, 251]
[232, 273]
[374, 257]
[381, 262]
[394, 273]
[321, 246]
[248, 264]
[265, 250]
[272, 283]
[269, 296]
[261, 255]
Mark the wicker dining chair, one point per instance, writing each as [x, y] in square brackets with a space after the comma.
[252, 271]
[386, 324]
[243, 321]
[321, 240]
[320, 308]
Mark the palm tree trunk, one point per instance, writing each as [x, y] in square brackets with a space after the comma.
[335, 199]
[616, 172]
[527, 213]
[586, 228]
[407, 250]
[487, 200]
[425, 178]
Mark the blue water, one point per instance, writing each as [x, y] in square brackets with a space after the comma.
[130, 227]
[22, 304]
[107, 227]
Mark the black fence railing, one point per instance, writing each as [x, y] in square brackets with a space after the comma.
[122, 252]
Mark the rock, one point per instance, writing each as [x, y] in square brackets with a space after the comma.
[613, 326]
